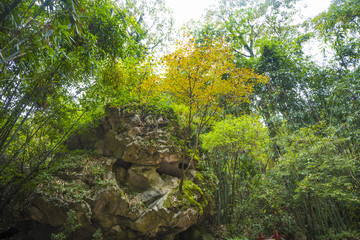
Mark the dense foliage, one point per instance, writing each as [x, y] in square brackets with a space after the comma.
[279, 127]
[309, 186]
[54, 59]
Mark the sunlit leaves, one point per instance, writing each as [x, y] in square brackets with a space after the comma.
[245, 134]
[114, 75]
[198, 74]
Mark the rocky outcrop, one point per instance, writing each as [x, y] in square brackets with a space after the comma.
[120, 180]
[136, 137]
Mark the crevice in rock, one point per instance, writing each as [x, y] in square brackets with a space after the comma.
[37, 207]
[170, 169]
[192, 233]
[35, 230]
[122, 163]
[185, 166]
[159, 171]
[10, 232]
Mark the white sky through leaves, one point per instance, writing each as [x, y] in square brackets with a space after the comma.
[184, 10]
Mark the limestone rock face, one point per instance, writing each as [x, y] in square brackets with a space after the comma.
[126, 186]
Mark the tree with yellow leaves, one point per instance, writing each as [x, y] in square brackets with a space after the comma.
[201, 75]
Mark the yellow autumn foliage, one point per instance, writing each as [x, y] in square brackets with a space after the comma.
[144, 81]
[198, 74]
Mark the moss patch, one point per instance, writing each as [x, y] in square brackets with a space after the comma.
[199, 178]
[192, 196]
[207, 181]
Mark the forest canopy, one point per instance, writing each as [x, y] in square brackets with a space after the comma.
[278, 127]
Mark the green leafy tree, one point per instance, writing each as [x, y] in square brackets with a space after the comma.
[245, 24]
[300, 93]
[339, 28]
[263, 36]
[237, 148]
[314, 183]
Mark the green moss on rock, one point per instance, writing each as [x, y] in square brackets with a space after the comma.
[192, 196]
[190, 189]
[199, 177]
[207, 181]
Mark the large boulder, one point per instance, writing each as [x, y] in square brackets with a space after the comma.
[119, 180]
